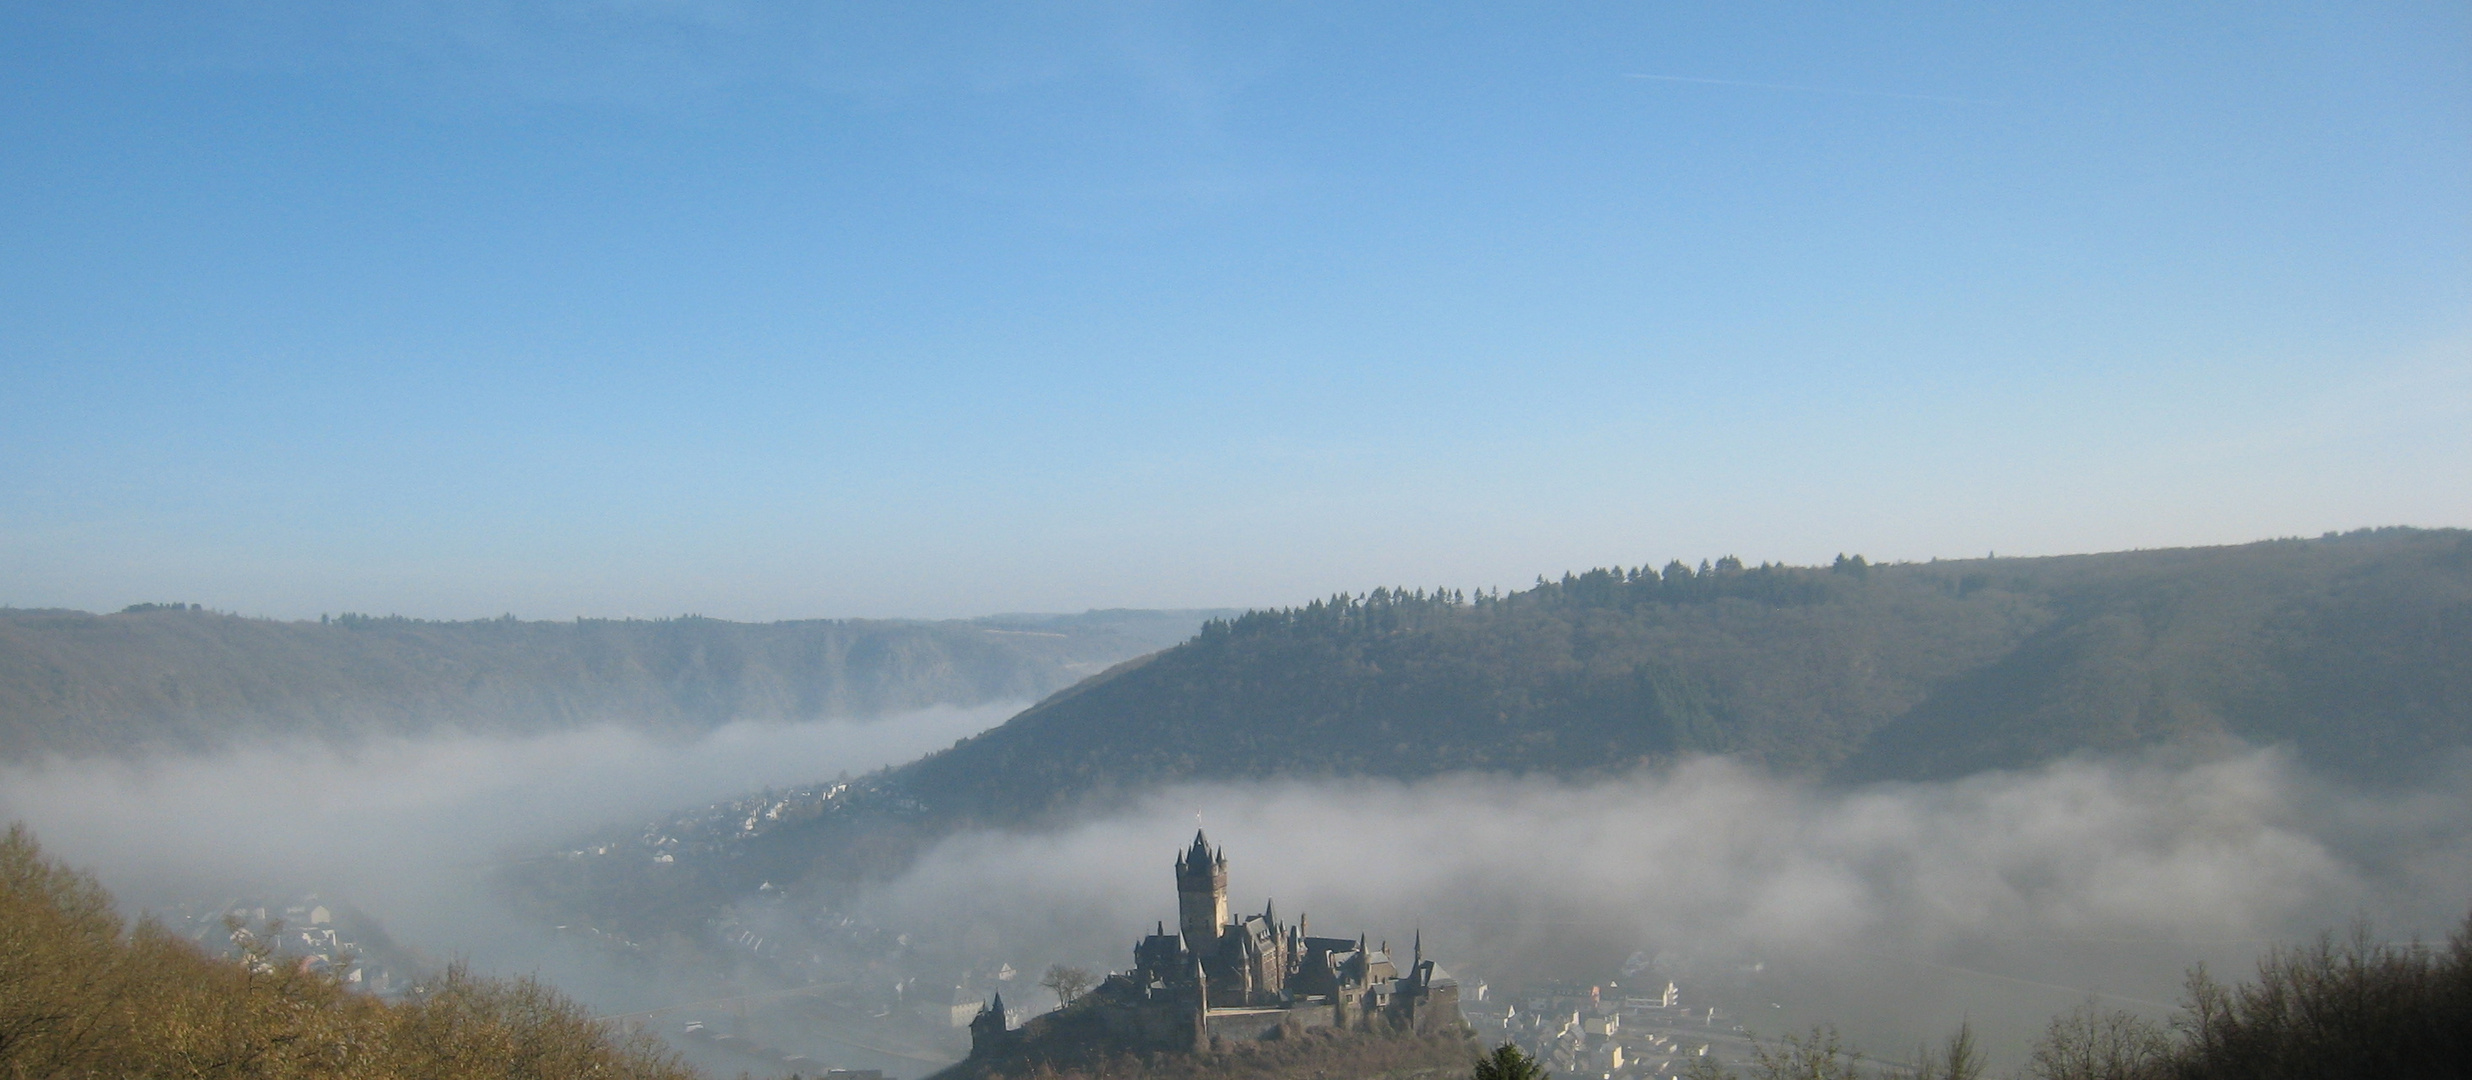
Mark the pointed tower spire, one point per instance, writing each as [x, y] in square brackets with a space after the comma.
[1201, 895]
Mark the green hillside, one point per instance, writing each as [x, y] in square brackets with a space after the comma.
[172, 677]
[2356, 649]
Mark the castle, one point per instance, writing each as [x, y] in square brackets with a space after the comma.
[1224, 978]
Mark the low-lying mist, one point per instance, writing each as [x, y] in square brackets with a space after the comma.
[406, 830]
[1892, 911]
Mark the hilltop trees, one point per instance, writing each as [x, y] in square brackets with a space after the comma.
[2090, 1042]
[2354, 1007]
[1957, 1058]
[2357, 1007]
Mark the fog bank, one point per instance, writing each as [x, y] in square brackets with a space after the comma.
[1891, 910]
[406, 829]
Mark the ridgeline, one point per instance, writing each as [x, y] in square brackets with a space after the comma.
[171, 677]
[2355, 649]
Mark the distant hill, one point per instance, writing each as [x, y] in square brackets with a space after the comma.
[171, 677]
[2356, 650]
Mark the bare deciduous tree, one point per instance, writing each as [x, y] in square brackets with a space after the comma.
[1066, 982]
[2090, 1042]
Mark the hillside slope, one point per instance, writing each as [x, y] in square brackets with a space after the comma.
[2355, 650]
[184, 679]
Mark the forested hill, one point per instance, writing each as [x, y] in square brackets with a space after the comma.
[169, 676]
[2356, 649]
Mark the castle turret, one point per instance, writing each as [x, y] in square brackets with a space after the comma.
[989, 1035]
[1201, 1008]
[1201, 895]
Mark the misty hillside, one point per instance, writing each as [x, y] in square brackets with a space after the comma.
[2355, 650]
[174, 677]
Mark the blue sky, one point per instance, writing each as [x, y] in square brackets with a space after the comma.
[785, 310]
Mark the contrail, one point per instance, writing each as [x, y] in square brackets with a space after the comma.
[1808, 89]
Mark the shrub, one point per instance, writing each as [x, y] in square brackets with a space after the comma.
[2358, 1007]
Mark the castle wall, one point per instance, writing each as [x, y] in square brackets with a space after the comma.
[1238, 1024]
[1147, 1025]
[1440, 1009]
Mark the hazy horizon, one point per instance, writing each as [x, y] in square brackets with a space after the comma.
[486, 612]
[770, 310]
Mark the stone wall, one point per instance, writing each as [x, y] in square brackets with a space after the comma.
[1236, 1024]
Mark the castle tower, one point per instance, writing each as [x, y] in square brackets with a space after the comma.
[1201, 895]
[988, 1033]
